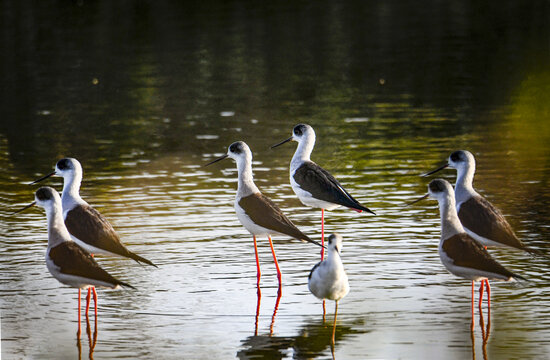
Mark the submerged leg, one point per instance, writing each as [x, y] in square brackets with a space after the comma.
[275, 260]
[258, 272]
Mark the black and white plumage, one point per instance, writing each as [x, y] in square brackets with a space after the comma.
[256, 212]
[459, 252]
[328, 279]
[65, 260]
[480, 219]
[88, 228]
[313, 185]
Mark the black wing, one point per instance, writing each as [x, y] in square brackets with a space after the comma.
[322, 185]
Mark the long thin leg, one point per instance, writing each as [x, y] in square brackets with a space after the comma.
[473, 320]
[258, 272]
[95, 301]
[275, 260]
[481, 287]
[257, 311]
[481, 293]
[472, 337]
[78, 332]
[88, 297]
[488, 294]
[334, 326]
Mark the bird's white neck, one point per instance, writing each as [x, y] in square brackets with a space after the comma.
[246, 180]
[57, 231]
[303, 151]
[333, 257]
[71, 189]
[450, 223]
[464, 183]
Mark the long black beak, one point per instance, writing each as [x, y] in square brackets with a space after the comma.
[42, 178]
[417, 200]
[282, 142]
[25, 208]
[436, 170]
[218, 159]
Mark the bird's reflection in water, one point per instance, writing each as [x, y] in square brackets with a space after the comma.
[312, 341]
[279, 294]
[485, 332]
[92, 338]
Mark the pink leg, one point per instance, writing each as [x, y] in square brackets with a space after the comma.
[258, 272]
[95, 302]
[473, 291]
[481, 288]
[88, 300]
[481, 293]
[488, 294]
[79, 330]
[275, 260]
[257, 311]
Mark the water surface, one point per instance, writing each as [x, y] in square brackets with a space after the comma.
[145, 94]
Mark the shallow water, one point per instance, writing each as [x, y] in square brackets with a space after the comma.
[144, 95]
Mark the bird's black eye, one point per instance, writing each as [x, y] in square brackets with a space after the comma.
[299, 130]
[236, 148]
[44, 193]
[63, 164]
[456, 156]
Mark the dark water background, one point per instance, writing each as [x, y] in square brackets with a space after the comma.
[145, 93]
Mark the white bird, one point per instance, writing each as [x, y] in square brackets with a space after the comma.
[459, 252]
[65, 260]
[480, 219]
[328, 279]
[256, 212]
[313, 185]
